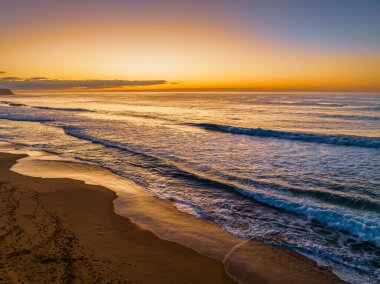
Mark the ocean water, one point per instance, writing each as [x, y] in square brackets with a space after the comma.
[294, 170]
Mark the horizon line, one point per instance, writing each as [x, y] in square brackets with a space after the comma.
[242, 90]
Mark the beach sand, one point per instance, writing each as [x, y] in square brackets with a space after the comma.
[64, 231]
[61, 230]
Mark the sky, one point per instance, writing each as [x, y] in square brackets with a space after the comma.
[325, 45]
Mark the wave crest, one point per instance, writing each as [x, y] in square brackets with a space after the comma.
[343, 140]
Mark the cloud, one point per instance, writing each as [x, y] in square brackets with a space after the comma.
[10, 79]
[42, 83]
[2, 72]
[37, 78]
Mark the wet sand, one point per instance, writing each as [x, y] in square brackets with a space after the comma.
[65, 231]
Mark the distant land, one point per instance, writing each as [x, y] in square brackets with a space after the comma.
[6, 92]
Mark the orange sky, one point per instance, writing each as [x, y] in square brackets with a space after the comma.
[203, 51]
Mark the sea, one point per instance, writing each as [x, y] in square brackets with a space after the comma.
[297, 170]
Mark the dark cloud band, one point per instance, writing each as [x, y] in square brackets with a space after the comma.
[42, 83]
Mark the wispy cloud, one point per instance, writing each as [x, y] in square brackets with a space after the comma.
[10, 79]
[2, 72]
[38, 78]
[43, 83]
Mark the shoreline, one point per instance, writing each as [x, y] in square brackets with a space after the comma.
[245, 260]
[64, 231]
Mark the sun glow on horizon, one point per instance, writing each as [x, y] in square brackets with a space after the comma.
[191, 47]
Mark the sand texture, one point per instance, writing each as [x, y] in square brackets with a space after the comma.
[64, 231]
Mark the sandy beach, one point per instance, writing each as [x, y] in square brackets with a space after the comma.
[65, 231]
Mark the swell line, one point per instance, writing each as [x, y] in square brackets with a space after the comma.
[342, 140]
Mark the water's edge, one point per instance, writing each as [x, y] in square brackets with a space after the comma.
[158, 216]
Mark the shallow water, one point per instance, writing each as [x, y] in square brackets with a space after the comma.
[295, 170]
